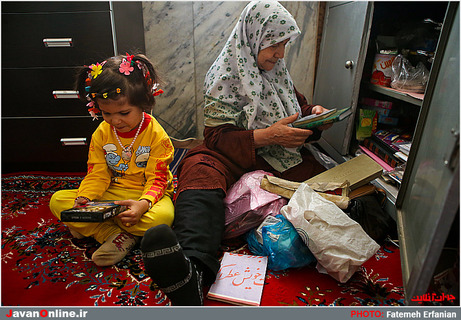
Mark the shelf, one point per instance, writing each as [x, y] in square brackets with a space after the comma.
[413, 98]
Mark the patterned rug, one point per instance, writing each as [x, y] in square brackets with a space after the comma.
[42, 265]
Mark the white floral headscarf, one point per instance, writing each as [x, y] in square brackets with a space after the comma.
[237, 92]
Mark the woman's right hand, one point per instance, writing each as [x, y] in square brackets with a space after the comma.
[281, 134]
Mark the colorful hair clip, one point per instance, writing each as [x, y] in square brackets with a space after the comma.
[156, 91]
[129, 57]
[93, 110]
[125, 67]
[96, 70]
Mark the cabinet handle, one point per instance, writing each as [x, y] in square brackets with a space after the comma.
[349, 64]
[73, 141]
[65, 94]
[57, 42]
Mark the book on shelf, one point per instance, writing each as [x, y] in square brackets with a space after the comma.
[358, 171]
[327, 117]
[240, 279]
[402, 156]
[393, 138]
[92, 211]
[377, 103]
[404, 147]
[386, 154]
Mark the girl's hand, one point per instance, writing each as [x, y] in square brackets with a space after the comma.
[281, 134]
[318, 110]
[80, 201]
[135, 210]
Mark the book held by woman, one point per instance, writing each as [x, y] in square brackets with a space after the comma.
[317, 120]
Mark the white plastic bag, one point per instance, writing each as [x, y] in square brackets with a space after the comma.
[339, 244]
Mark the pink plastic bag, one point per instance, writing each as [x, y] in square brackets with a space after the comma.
[247, 205]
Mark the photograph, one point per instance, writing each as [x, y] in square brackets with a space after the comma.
[230, 159]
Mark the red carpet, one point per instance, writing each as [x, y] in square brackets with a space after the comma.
[42, 265]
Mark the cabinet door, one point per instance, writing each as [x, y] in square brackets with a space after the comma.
[342, 55]
[429, 196]
[29, 93]
[36, 144]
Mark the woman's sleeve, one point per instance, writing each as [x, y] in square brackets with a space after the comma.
[158, 176]
[234, 143]
[97, 179]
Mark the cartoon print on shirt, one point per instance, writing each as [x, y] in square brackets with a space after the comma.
[142, 155]
[113, 159]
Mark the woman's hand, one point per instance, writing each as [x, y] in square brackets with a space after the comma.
[134, 212]
[281, 134]
[318, 110]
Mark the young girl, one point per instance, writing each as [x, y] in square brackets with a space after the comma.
[128, 157]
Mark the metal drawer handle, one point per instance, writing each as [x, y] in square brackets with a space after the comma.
[73, 141]
[57, 42]
[65, 94]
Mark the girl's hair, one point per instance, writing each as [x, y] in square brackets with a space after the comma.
[137, 85]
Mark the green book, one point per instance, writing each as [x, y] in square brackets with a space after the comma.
[314, 121]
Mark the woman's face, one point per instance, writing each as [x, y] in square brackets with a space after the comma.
[120, 114]
[268, 57]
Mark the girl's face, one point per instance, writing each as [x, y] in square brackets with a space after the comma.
[120, 114]
[268, 57]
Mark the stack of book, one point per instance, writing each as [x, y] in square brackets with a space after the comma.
[327, 117]
[390, 146]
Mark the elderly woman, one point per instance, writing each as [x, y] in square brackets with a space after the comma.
[250, 103]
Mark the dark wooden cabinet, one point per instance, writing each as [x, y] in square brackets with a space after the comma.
[43, 45]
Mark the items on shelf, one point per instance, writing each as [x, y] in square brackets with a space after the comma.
[408, 78]
[403, 59]
[391, 146]
[382, 69]
[395, 176]
[367, 122]
[385, 153]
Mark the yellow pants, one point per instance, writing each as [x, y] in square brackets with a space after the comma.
[161, 212]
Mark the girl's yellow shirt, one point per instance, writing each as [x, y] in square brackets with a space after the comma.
[144, 167]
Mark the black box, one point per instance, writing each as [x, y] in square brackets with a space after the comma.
[93, 211]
